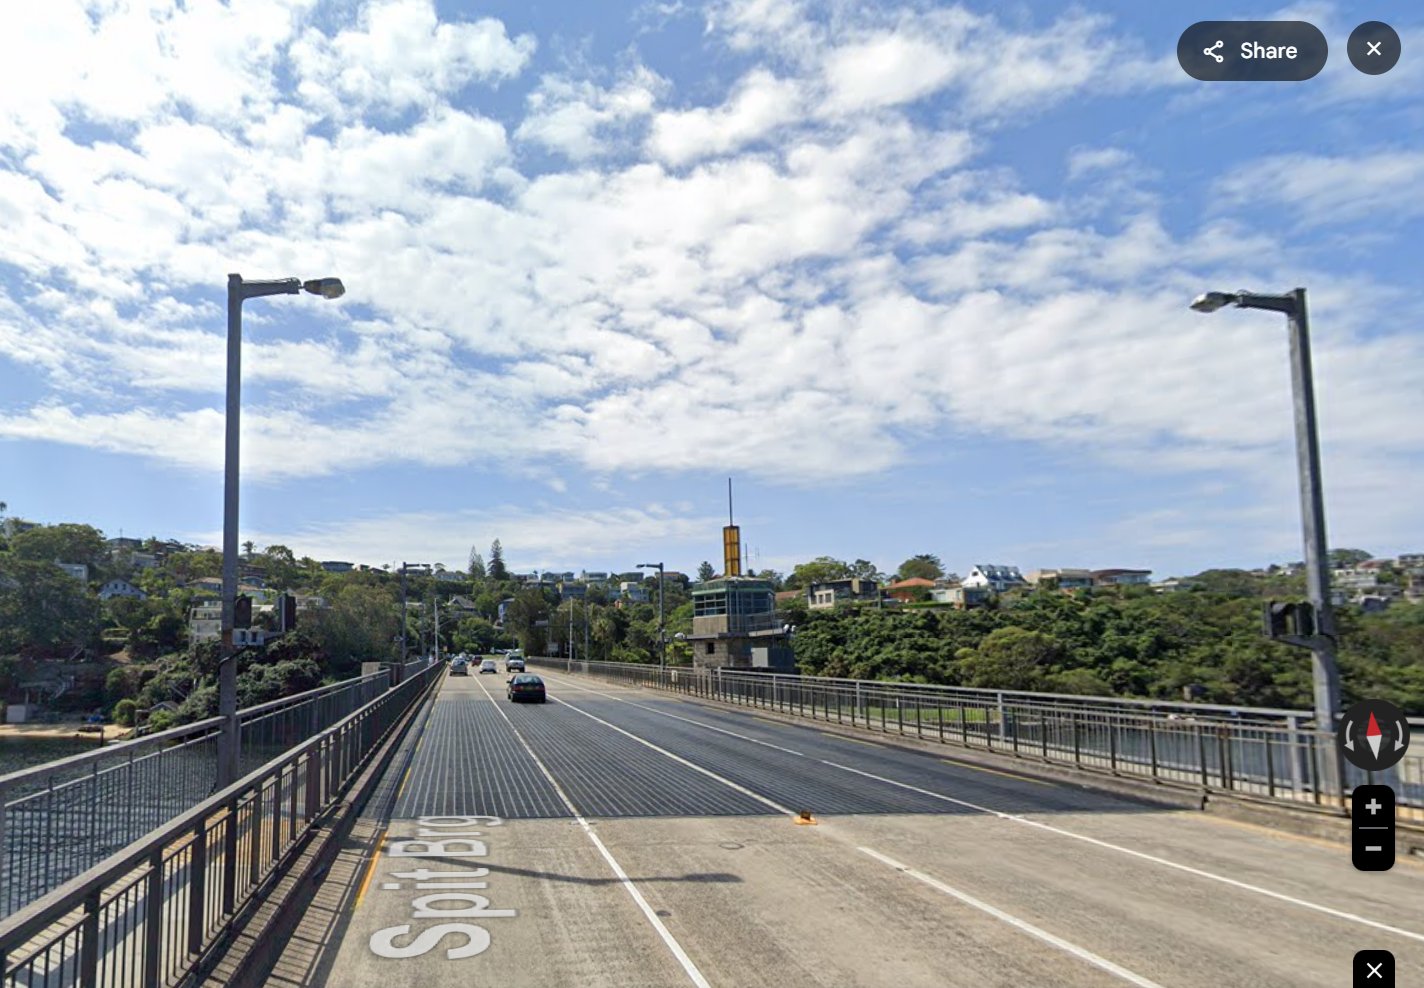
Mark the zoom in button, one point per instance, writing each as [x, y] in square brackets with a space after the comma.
[1252, 51]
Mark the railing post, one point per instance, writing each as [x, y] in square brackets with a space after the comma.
[1003, 726]
[230, 839]
[1270, 767]
[197, 889]
[1077, 739]
[1152, 744]
[1296, 753]
[153, 920]
[1112, 743]
[1201, 754]
[313, 781]
[89, 942]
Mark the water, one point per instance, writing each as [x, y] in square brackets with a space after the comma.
[18, 753]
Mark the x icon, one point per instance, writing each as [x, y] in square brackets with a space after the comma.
[1375, 47]
[1374, 970]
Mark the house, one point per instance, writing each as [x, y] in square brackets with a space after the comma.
[572, 591]
[460, 604]
[1172, 584]
[1061, 579]
[450, 576]
[1122, 577]
[209, 584]
[911, 589]
[595, 577]
[80, 571]
[14, 526]
[143, 560]
[735, 625]
[121, 588]
[633, 592]
[1354, 578]
[786, 596]
[820, 596]
[1410, 560]
[205, 622]
[121, 545]
[995, 577]
[962, 597]
[337, 566]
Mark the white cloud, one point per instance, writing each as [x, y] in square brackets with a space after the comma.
[538, 538]
[758, 105]
[401, 56]
[579, 118]
[1378, 187]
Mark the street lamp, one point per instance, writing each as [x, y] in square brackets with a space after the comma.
[1321, 640]
[239, 291]
[662, 629]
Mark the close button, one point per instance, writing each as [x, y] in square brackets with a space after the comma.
[1373, 47]
[1374, 969]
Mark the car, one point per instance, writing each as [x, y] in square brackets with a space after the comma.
[526, 686]
[459, 667]
[489, 665]
[513, 665]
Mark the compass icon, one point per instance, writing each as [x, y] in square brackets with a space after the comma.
[1373, 735]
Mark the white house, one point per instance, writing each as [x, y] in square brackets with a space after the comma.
[1062, 579]
[1122, 577]
[121, 588]
[995, 577]
[80, 571]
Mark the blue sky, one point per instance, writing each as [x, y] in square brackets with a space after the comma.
[915, 275]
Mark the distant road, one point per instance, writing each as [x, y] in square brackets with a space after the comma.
[645, 839]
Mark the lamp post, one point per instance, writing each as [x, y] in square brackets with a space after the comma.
[239, 291]
[662, 629]
[1321, 640]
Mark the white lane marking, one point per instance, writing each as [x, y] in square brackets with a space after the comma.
[683, 761]
[688, 965]
[999, 914]
[1019, 924]
[1015, 818]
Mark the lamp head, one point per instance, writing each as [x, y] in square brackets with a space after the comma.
[325, 287]
[1211, 301]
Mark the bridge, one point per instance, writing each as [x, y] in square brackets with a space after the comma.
[679, 827]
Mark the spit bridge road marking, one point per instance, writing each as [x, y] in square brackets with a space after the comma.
[688, 966]
[1023, 926]
[1025, 821]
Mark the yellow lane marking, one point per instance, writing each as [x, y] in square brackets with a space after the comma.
[842, 737]
[371, 869]
[994, 771]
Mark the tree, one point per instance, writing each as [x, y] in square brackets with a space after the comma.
[247, 548]
[61, 544]
[522, 619]
[864, 569]
[43, 609]
[922, 567]
[1342, 558]
[822, 569]
[359, 625]
[497, 570]
[705, 572]
[1010, 659]
[772, 577]
[477, 564]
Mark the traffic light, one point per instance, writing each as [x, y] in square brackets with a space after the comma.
[286, 612]
[1289, 619]
[242, 612]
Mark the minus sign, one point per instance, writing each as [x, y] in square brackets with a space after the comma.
[1373, 847]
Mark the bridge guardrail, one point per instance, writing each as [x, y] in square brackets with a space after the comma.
[1270, 753]
[63, 817]
[149, 914]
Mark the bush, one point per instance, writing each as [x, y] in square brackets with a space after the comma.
[124, 712]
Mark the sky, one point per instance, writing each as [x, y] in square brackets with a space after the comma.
[914, 275]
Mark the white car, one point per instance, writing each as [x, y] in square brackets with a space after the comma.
[489, 665]
[459, 667]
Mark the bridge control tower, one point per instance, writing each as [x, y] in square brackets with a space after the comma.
[734, 619]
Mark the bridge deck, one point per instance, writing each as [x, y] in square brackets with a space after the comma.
[643, 839]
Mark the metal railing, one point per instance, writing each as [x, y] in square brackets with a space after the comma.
[1270, 753]
[63, 817]
[150, 914]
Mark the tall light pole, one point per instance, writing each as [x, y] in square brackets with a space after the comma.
[239, 291]
[662, 628]
[1321, 638]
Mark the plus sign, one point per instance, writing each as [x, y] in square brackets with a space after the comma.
[1373, 806]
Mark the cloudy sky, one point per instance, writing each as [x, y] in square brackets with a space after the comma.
[915, 275]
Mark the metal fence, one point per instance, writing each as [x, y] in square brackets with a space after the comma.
[63, 817]
[1270, 753]
[149, 914]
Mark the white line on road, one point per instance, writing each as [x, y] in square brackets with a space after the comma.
[687, 963]
[1014, 921]
[1015, 818]
[999, 914]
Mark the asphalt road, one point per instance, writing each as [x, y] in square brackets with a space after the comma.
[617, 836]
